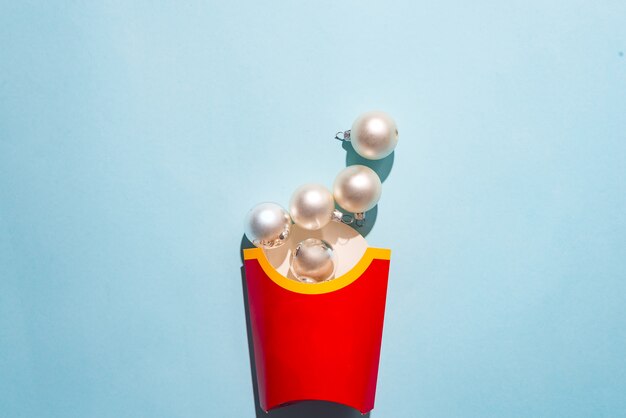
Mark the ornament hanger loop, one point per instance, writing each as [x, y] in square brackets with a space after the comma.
[347, 219]
[343, 136]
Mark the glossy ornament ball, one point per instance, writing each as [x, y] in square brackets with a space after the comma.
[357, 188]
[311, 206]
[267, 225]
[313, 261]
[374, 135]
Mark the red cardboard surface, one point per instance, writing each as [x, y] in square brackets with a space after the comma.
[317, 341]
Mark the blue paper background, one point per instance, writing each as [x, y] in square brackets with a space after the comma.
[134, 136]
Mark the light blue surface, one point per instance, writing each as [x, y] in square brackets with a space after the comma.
[134, 138]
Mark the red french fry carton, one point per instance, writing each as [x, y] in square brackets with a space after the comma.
[317, 341]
